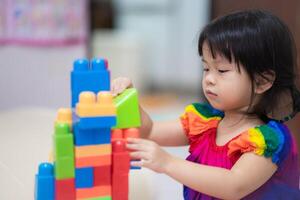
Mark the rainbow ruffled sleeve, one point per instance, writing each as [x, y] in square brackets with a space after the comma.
[198, 118]
[272, 140]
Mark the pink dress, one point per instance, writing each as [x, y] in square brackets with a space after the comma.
[272, 140]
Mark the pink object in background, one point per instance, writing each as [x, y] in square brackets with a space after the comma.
[43, 22]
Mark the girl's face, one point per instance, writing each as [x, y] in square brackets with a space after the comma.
[225, 87]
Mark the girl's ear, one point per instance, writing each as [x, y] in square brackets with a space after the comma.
[264, 81]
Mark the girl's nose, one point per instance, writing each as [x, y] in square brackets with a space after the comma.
[209, 78]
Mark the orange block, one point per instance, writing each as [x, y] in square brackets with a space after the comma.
[93, 161]
[92, 150]
[64, 115]
[89, 106]
[98, 191]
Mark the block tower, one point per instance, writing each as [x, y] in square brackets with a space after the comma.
[90, 157]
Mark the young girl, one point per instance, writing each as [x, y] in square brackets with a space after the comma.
[236, 149]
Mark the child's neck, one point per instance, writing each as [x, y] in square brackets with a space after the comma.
[238, 121]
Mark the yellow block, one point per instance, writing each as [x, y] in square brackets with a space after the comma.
[89, 106]
[92, 150]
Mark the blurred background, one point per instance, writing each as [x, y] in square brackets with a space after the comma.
[152, 42]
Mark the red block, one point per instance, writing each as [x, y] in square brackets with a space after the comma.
[120, 187]
[65, 189]
[120, 158]
[102, 175]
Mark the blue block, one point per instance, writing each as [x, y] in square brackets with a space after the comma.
[97, 122]
[84, 177]
[91, 136]
[134, 167]
[44, 182]
[85, 77]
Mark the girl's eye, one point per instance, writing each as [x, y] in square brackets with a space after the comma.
[223, 71]
[205, 69]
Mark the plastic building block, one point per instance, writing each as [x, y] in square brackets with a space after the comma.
[63, 141]
[63, 152]
[102, 175]
[64, 168]
[89, 106]
[84, 177]
[98, 191]
[92, 150]
[120, 187]
[100, 198]
[85, 77]
[128, 114]
[44, 182]
[91, 136]
[64, 115]
[65, 189]
[120, 157]
[93, 161]
[97, 122]
[131, 133]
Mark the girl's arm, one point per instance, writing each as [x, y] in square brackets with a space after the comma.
[249, 172]
[167, 133]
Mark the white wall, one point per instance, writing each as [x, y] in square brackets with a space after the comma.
[169, 30]
[36, 76]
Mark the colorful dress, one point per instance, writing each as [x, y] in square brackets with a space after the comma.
[272, 140]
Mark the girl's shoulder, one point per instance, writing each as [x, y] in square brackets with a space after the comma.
[197, 118]
[272, 140]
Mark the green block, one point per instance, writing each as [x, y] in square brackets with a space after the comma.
[128, 114]
[64, 168]
[63, 141]
[100, 198]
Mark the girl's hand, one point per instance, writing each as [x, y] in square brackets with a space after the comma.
[119, 84]
[149, 154]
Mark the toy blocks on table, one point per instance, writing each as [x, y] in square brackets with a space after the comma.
[44, 182]
[84, 177]
[65, 189]
[89, 106]
[90, 163]
[93, 77]
[128, 114]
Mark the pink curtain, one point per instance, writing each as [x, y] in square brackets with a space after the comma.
[43, 22]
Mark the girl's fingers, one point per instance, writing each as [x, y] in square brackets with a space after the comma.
[135, 146]
[138, 141]
[139, 155]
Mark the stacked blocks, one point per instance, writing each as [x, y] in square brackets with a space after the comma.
[96, 117]
[90, 162]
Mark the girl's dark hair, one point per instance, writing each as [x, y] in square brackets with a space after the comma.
[260, 42]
